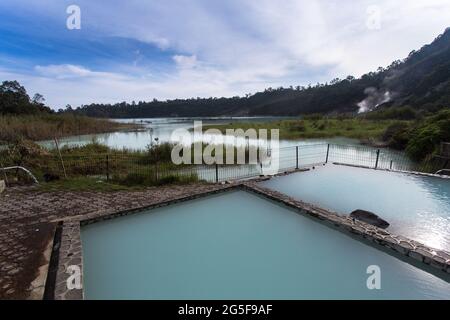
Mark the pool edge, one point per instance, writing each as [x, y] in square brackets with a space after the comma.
[411, 251]
[70, 251]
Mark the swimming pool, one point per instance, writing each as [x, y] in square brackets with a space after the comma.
[237, 245]
[417, 207]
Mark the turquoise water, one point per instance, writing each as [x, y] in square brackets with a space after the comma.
[238, 246]
[162, 129]
[152, 128]
[416, 207]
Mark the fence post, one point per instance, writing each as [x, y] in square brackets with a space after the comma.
[4, 173]
[378, 156]
[328, 152]
[390, 165]
[296, 157]
[107, 167]
[60, 157]
[217, 173]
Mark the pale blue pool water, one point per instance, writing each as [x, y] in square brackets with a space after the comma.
[238, 245]
[416, 207]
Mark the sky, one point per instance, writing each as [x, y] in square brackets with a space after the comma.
[140, 50]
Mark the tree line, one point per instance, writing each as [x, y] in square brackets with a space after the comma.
[14, 99]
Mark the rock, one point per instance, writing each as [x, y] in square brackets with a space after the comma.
[370, 218]
[2, 186]
[50, 177]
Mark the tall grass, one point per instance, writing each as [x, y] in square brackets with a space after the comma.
[123, 166]
[43, 127]
[153, 166]
[317, 128]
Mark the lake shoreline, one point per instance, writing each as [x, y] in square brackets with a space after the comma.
[47, 127]
[138, 134]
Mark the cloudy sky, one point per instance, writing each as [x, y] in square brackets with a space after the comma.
[145, 49]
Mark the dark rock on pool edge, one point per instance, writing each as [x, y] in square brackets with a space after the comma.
[369, 217]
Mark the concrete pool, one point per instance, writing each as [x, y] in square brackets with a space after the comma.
[417, 207]
[238, 245]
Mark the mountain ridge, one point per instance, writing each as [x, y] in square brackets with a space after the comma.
[422, 81]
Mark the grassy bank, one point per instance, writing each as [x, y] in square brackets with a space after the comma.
[98, 167]
[93, 166]
[48, 126]
[319, 128]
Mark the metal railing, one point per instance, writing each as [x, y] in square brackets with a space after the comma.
[16, 168]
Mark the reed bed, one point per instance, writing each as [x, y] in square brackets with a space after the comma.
[44, 127]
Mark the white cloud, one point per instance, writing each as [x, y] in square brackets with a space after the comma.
[239, 46]
[63, 71]
[185, 61]
[72, 72]
[279, 37]
[84, 86]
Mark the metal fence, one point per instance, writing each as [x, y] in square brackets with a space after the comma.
[139, 168]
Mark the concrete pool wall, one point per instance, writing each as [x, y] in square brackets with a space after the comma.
[412, 252]
[69, 246]
[416, 206]
[424, 174]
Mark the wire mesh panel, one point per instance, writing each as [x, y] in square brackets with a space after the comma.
[353, 155]
[434, 164]
[312, 154]
[395, 161]
[287, 158]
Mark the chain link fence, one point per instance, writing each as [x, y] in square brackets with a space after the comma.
[141, 169]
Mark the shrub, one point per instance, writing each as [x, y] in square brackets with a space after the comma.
[399, 113]
[92, 148]
[159, 152]
[397, 135]
[298, 126]
[423, 141]
[428, 134]
[313, 116]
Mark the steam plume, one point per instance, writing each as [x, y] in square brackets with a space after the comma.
[374, 98]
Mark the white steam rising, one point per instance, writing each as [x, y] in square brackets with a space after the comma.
[374, 98]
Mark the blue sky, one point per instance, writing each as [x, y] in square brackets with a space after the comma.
[140, 50]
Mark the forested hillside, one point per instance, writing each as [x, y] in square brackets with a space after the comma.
[421, 80]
